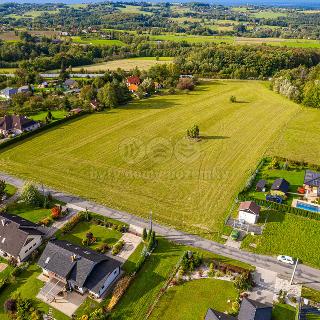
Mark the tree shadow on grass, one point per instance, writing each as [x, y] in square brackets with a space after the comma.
[271, 216]
[214, 137]
[151, 104]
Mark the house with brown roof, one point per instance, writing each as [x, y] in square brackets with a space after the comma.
[311, 184]
[249, 212]
[18, 237]
[15, 124]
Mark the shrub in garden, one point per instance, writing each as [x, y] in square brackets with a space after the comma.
[45, 221]
[103, 248]
[2, 188]
[118, 291]
[144, 234]
[31, 195]
[117, 247]
[56, 212]
[211, 270]
[185, 84]
[10, 305]
[191, 260]
[243, 282]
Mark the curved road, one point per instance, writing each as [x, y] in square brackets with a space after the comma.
[304, 274]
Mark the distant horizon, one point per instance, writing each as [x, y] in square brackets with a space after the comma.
[310, 4]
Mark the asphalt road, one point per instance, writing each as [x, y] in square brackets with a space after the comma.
[304, 274]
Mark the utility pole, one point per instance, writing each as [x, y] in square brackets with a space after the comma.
[294, 271]
[150, 217]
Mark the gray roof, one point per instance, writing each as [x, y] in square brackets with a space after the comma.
[312, 178]
[14, 232]
[216, 315]
[261, 184]
[254, 310]
[83, 266]
[280, 185]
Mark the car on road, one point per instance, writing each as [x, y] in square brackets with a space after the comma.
[286, 259]
[235, 234]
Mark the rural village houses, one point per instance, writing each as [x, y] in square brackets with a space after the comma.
[18, 237]
[16, 124]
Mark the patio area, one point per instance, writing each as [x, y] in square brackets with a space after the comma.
[66, 302]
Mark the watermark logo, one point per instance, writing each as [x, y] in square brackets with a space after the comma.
[132, 150]
[159, 150]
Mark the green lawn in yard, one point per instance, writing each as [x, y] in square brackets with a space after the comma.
[153, 275]
[28, 286]
[192, 299]
[103, 234]
[4, 274]
[283, 312]
[10, 190]
[287, 234]
[87, 307]
[188, 185]
[41, 116]
[29, 212]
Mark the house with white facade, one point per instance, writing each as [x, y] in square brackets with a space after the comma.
[249, 212]
[78, 268]
[18, 237]
[16, 124]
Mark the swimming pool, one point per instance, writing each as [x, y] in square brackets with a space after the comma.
[308, 206]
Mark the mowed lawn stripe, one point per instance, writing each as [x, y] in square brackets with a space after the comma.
[84, 157]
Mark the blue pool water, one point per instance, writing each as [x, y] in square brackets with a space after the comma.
[307, 206]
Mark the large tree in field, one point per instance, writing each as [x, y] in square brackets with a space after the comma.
[108, 96]
[87, 93]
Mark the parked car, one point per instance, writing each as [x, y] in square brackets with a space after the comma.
[235, 234]
[286, 259]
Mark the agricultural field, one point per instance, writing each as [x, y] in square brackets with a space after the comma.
[281, 229]
[299, 139]
[143, 63]
[12, 36]
[189, 185]
[94, 41]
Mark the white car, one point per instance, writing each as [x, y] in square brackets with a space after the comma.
[286, 259]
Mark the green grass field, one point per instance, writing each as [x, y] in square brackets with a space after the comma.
[283, 312]
[293, 235]
[143, 63]
[41, 116]
[193, 299]
[188, 185]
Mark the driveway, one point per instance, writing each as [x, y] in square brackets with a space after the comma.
[304, 274]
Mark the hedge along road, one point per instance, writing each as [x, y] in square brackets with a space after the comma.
[304, 274]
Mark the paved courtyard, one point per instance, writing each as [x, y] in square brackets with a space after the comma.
[131, 243]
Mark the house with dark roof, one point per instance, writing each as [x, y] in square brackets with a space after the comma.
[311, 183]
[24, 89]
[249, 212]
[71, 84]
[15, 124]
[216, 315]
[249, 310]
[18, 237]
[280, 187]
[8, 93]
[254, 310]
[78, 268]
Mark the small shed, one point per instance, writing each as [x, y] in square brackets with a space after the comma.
[249, 212]
[261, 185]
